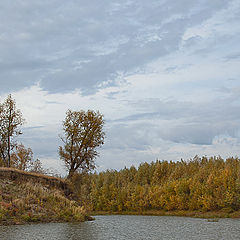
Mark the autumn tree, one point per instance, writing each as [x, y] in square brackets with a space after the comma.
[10, 120]
[22, 158]
[83, 133]
[36, 167]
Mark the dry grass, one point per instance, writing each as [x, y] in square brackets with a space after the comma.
[21, 176]
[24, 201]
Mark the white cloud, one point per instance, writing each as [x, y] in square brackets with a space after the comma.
[224, 22]
[164, 73]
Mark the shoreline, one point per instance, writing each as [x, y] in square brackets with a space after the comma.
[213, 215]
[179, 213]
[10, 222]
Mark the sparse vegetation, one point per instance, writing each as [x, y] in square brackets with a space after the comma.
[39, 200]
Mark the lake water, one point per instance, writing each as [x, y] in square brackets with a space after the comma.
[127, 227]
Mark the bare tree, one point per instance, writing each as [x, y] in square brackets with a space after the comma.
[83, 133]
[10, 120]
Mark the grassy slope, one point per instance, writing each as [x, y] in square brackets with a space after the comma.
[32, 201]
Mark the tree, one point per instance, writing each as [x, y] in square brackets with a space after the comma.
[10, 120]
[22, 158]
[83, 133]
[36, 167]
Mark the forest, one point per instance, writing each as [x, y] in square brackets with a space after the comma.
[200, 184]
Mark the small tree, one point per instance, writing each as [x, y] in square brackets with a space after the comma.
[22, 158]
[83, 133]
[37, 167]
[10, 120]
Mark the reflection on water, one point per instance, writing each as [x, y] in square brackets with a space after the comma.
[127, 227]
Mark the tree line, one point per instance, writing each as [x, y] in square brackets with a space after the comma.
[83, 134]
[204, 184]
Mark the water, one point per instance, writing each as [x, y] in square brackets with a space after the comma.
[127, 227]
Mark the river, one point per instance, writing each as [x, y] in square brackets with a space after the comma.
[120, 227]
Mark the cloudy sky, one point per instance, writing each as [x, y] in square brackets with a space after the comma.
[165, 74]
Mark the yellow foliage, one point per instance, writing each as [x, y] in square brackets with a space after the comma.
[207, 184]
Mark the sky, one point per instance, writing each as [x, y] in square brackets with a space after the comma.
[165, 74]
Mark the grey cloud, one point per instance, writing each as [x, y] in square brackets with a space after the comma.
[187, 122]
[233, 56]
[113, 95]
[123, 136]
[43, 140]
[67, 45]
[29, 129]
[41, 40]
[201, 134]
[164, 110]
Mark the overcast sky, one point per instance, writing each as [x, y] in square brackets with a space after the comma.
[165, 74]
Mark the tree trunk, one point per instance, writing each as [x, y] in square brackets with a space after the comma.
[70, 173]
[9, 136]
[8, 153]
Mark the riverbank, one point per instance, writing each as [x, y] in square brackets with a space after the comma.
[28, 198]
[224, 213]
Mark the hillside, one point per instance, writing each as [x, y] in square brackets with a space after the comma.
[28, 197]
